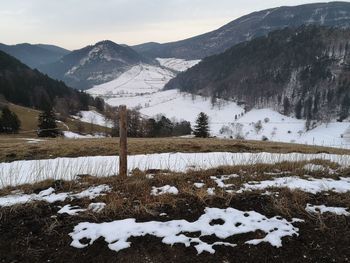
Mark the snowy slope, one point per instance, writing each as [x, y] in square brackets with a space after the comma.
[93, 117]
[141, 87]
[140, 79]
[277, 127]
[181, 106]
[177, 64]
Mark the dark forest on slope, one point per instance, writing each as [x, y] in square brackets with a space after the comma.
[303, 72]
[21, 85]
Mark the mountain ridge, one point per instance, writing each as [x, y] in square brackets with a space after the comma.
[94, 64]
[303, 72]
[24, 86]
[34, 55]
[248, 27]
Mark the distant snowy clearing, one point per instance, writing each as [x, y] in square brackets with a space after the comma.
[73, 135]
[93, 117]
[177, 64]
[140, 79]
[22, 172]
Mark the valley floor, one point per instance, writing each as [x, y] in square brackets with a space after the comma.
[141, 87]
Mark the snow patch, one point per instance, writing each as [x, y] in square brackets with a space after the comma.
[167, 189]
[50, 196]
[199, 185]
[96, 207]
[94, 118]
[117, 233]
[321, 209]
[310, 185]
[73, 135]
[211, 191]
[70, 210]
[219, 180]
[315, 168]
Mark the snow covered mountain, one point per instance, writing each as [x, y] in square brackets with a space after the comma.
[94, 65]
[251, 26]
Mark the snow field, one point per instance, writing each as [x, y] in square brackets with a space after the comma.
[177, 64]
[23, 172]
[280, 128]
[142, 86]
[140, 79]
[94, 118]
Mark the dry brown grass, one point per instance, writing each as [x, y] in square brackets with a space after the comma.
[29, 123]
[14, 148]
[290, 203]
[132, 196]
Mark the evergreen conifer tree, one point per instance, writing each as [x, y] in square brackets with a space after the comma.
[47, 124]
[345, 108]
[201, 128]
[9, 122]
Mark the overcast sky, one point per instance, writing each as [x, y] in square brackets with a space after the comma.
[76, 23]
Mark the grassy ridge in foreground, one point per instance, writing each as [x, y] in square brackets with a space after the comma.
[14, 148]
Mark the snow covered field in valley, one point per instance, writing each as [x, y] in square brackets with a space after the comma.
[176, 64]
[141, 88]
[140, 79]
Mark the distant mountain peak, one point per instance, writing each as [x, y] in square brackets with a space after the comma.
[95, 64]
[106, 42]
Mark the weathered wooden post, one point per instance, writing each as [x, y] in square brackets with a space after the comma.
[123, 159]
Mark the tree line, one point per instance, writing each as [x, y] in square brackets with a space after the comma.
[138, 126]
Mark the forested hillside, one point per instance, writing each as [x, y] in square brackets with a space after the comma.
[21, 85]
[248, 27]
[34, 55]
[303, 72]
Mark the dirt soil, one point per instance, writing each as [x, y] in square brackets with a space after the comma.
[30, 234]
